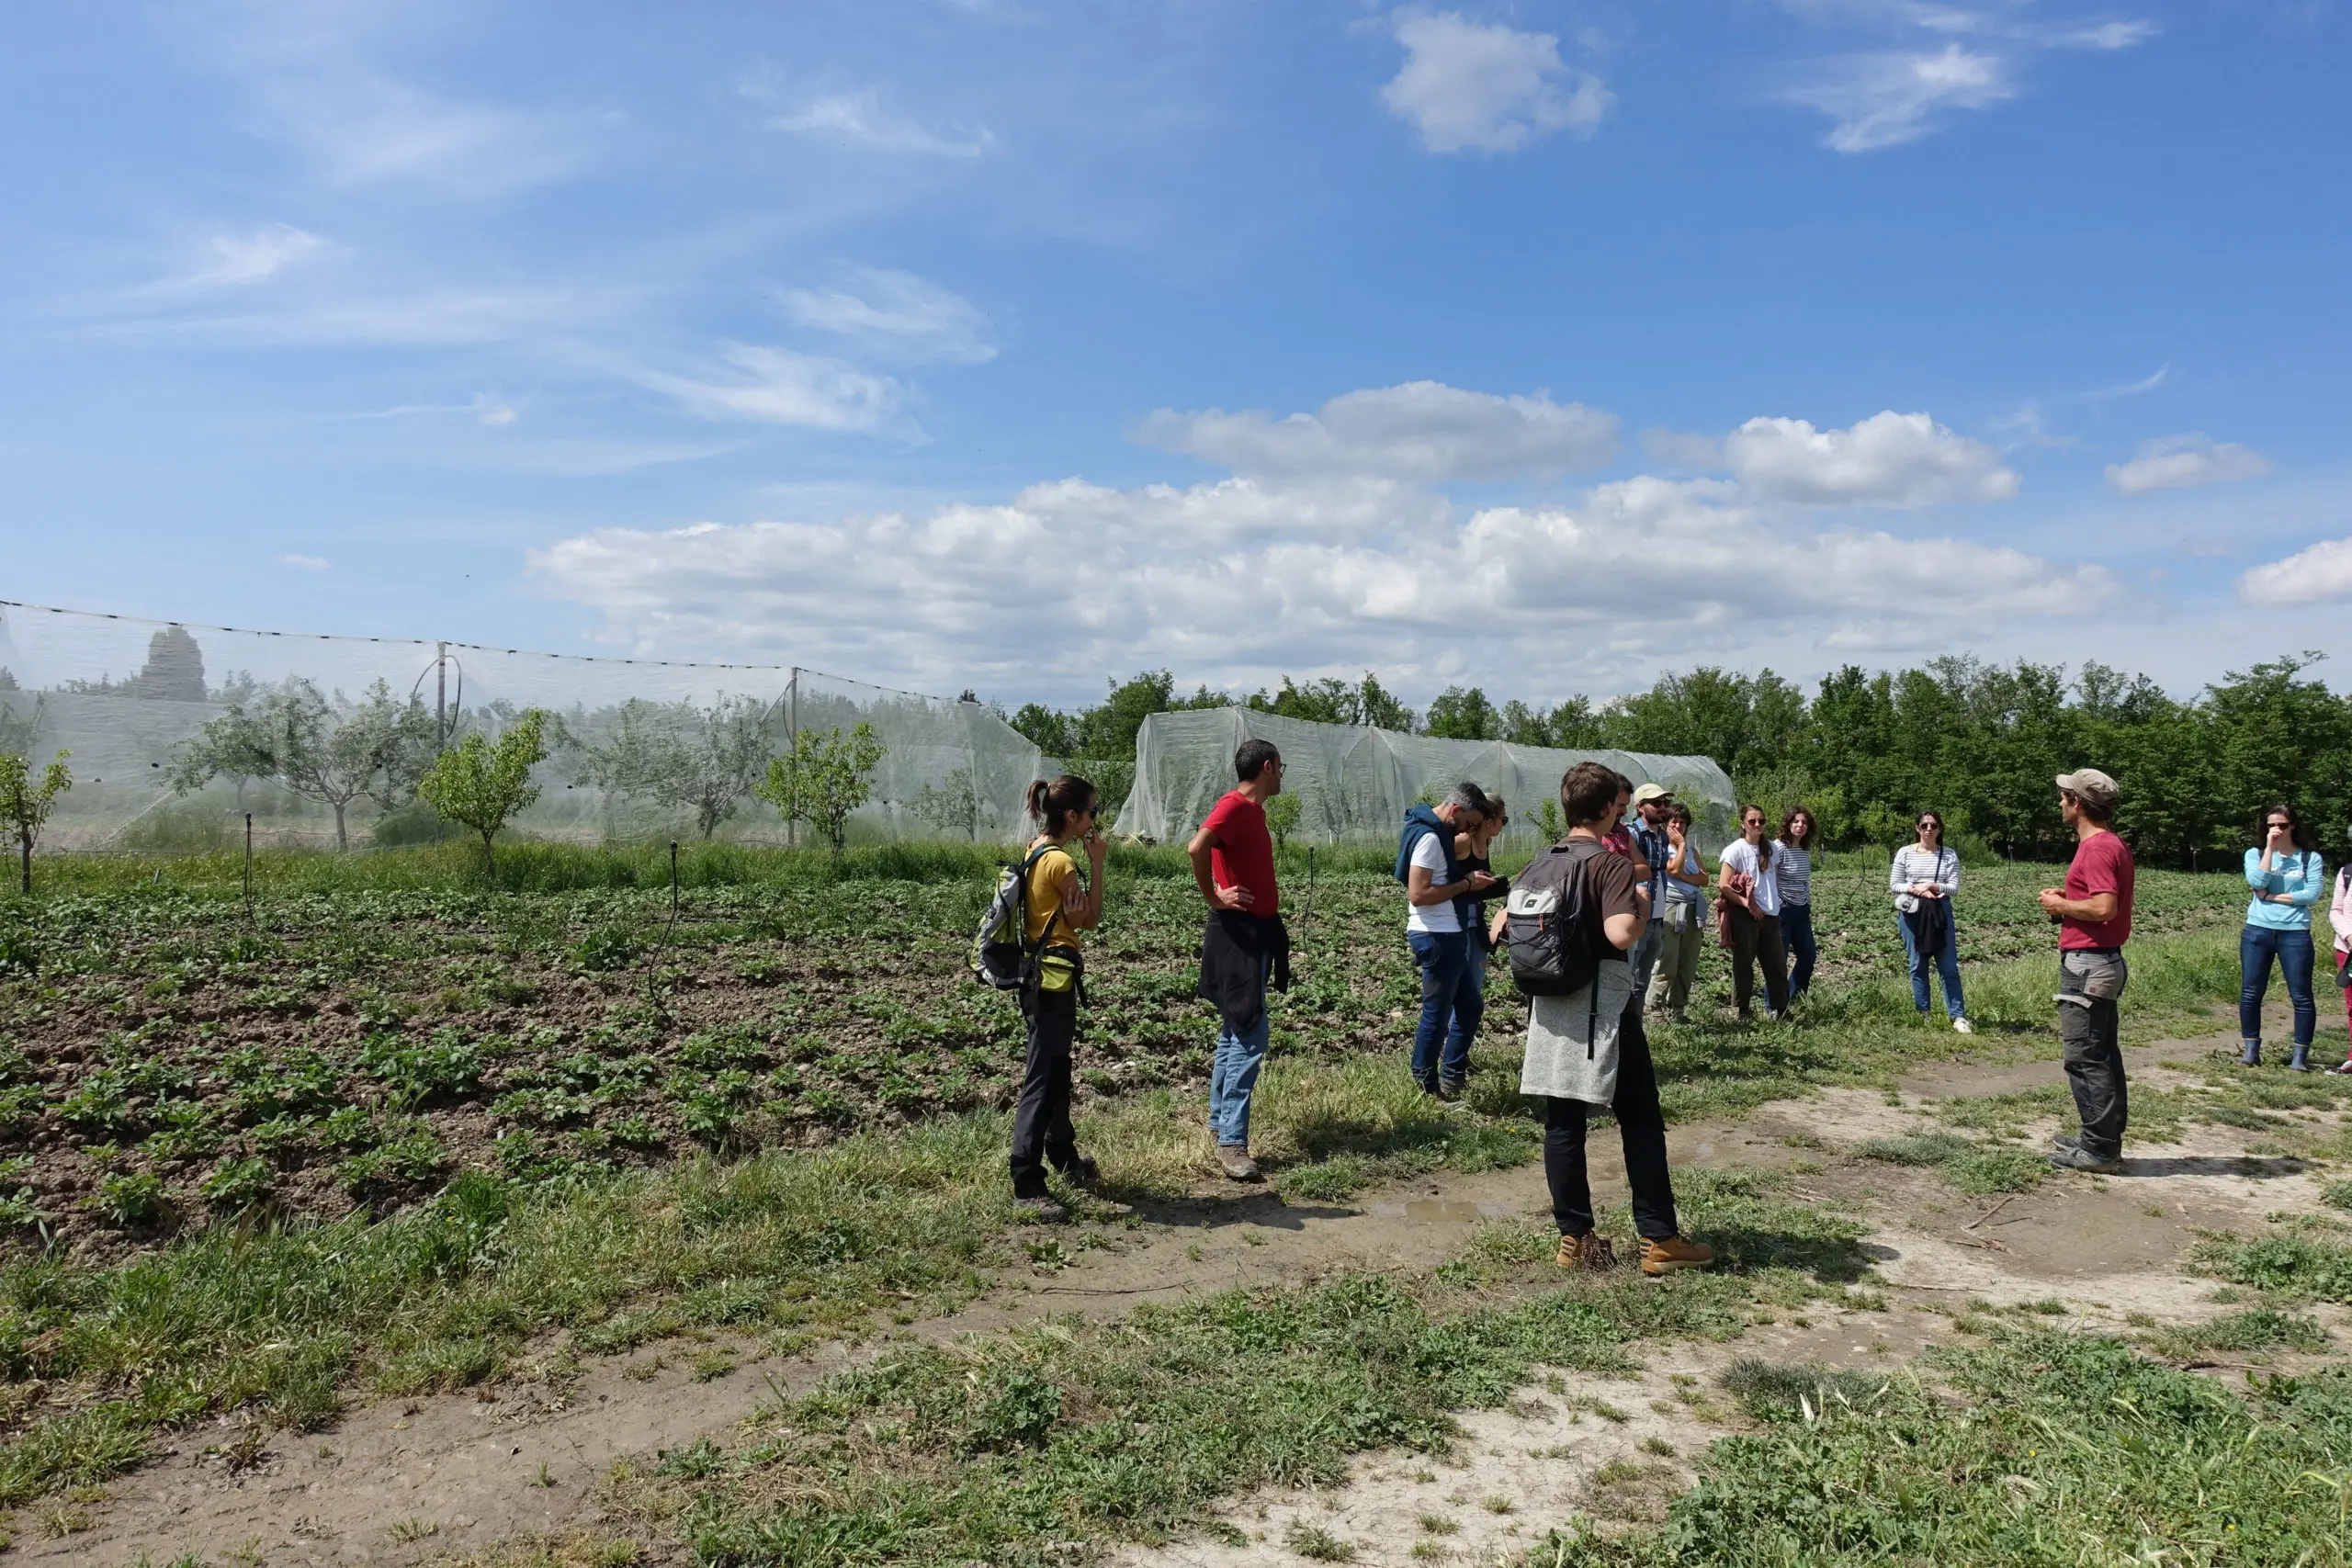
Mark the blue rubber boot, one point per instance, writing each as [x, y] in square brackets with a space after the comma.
[2252, 1055]
[2301, 1060]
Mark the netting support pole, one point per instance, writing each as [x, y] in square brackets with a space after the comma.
[440, 696]
[792, 729]
[673, 882]
[249, 859]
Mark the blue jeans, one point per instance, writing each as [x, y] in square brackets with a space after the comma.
[1454, 999]
[1797, 930]
[2256, 947]
[1947, 964]
[1234, 1075]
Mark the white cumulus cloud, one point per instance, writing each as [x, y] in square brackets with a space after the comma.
[1422, 430]
[899, 313]
[1469, 87]
[2314, 576]
[1240, 578]
[2184, 462]
[1889, 459]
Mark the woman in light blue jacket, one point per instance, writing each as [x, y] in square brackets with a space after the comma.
[2288, 877]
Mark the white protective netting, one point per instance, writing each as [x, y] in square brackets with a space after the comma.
[1353, 783]
[642, 749]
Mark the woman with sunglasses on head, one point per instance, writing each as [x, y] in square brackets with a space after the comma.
[1796, 899]
[1923, 879]
[1061, 906]
[1749, 881]
[2285, 871]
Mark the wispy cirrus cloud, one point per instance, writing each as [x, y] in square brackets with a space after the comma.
[1951, 59]
[778, 385]
[859, 119]
[226, 260]
[313, 75]
[1886, 99]
[898, 315]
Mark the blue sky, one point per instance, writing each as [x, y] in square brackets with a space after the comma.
[1016, 344]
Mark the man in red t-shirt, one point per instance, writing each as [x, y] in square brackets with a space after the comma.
[1233, 863]
[2094, 915]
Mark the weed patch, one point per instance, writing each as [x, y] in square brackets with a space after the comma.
[2045, 1449]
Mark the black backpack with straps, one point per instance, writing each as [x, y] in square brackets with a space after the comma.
[1553, 926]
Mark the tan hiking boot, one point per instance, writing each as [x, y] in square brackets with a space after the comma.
[1590, 1250]
[1674, 1253]
[1235, 1161]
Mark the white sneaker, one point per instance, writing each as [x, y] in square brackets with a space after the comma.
[1964, 1026]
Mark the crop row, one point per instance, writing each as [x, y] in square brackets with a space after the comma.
[167, 1059]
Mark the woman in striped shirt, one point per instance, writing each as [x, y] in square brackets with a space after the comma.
[1923, 879]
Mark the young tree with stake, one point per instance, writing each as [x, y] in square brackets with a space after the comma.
[482, 783]
[25, 806]
[824, 778]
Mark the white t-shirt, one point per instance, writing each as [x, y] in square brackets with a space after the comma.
[1741, 856]
[1430, 855]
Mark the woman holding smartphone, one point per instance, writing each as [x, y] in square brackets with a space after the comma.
[2286, 874]
[1061, 906]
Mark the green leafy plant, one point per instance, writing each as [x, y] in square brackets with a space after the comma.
[133, 1200]
[1282, 819]
[604, 949]
[236, 1185]
[25, 806]
[824, 778]
[482, 783]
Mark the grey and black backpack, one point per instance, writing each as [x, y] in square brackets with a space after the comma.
[1551, 925]
[1002, 957]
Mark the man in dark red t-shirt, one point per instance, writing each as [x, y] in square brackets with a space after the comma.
[2094, 915]
[1233, 863]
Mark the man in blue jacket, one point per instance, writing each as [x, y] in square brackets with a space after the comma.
[1452, 1001]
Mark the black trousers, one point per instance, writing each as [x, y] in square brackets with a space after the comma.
[1640, 1124]
[1041, 1129]
[1753, 938]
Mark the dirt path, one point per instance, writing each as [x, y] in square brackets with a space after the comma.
[2099, 1253]
[401, 1482]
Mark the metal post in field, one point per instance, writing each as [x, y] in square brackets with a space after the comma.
[441, 696]
[249, 857]
[673, 881]
[792, 732]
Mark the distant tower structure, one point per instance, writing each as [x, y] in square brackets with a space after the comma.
[174, 668]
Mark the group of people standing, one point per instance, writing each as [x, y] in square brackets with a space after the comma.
[1645, 888]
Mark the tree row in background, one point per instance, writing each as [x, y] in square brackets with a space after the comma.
[1979, 742]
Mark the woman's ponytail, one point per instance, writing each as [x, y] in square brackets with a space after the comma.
[1051, 804]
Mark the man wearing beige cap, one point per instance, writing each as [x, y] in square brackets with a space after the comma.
[1652, 850]
[2094, 915]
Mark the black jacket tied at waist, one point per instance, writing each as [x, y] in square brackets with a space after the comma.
[1237, 950]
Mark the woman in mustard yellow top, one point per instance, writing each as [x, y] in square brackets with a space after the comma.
[1060, 907]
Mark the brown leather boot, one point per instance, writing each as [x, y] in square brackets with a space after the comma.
[1674, 1253]
[1590, 1250]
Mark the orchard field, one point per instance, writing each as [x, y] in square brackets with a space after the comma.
[363, 1030]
